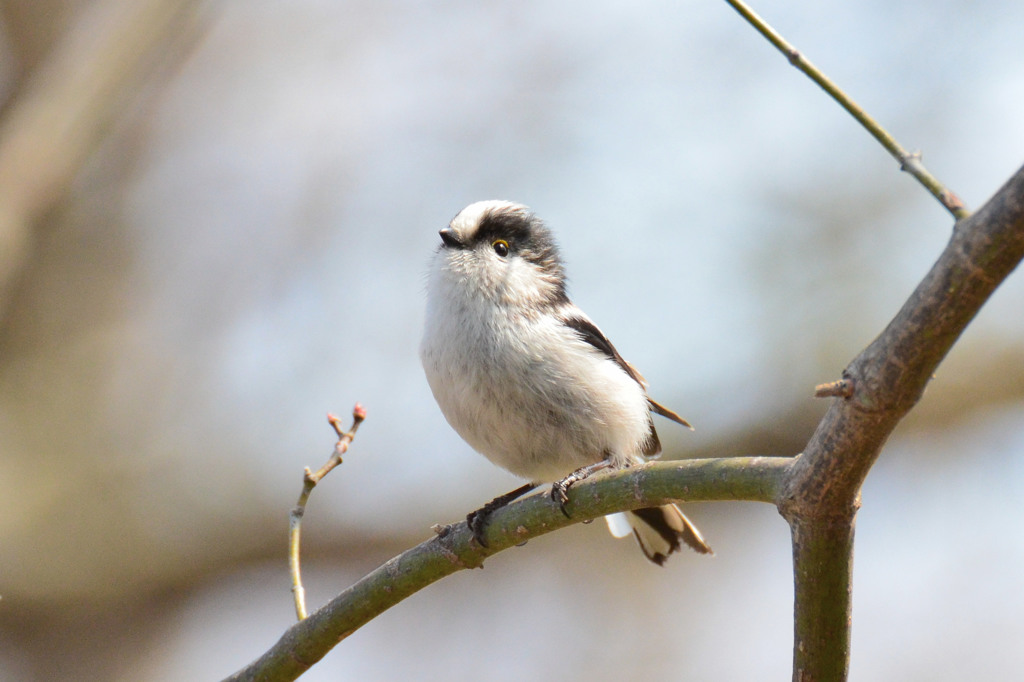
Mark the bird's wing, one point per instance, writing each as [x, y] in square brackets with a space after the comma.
[589, 332]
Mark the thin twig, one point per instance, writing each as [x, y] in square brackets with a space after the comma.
[309, 481]
[909, 161]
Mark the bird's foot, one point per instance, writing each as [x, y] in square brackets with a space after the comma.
[560, 489]
[477, 520]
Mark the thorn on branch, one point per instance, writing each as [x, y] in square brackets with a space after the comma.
[842, 388]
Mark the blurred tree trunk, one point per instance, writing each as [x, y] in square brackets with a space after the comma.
[74, 70]
[81, 70]
[31, 27]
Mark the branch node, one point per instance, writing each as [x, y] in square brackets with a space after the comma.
[445, 539]
[954, 203]
[910, 162]
[843, 388]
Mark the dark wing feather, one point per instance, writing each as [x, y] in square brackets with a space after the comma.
[589, 332]
[658, 408]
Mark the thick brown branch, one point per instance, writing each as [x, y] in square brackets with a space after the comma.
[823, 572]
[890, 375]
[821, 495]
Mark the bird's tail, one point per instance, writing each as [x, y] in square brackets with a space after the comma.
[660, 531]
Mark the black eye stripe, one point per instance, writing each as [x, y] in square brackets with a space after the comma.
[528, 237]
[513, 227]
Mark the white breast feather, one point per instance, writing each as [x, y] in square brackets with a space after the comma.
[525, 391]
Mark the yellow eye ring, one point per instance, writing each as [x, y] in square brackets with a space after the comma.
[500, 247]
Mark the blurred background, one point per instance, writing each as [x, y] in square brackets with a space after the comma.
[215, 221]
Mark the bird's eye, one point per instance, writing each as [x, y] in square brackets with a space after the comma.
[500, 247]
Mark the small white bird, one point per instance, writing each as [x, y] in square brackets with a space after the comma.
[527, 379]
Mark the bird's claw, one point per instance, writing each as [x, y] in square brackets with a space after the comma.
[477, 521]
[560, 495]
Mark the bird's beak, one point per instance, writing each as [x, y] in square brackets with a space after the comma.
[451, 239]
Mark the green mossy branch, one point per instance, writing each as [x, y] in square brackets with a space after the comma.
[452, 549]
